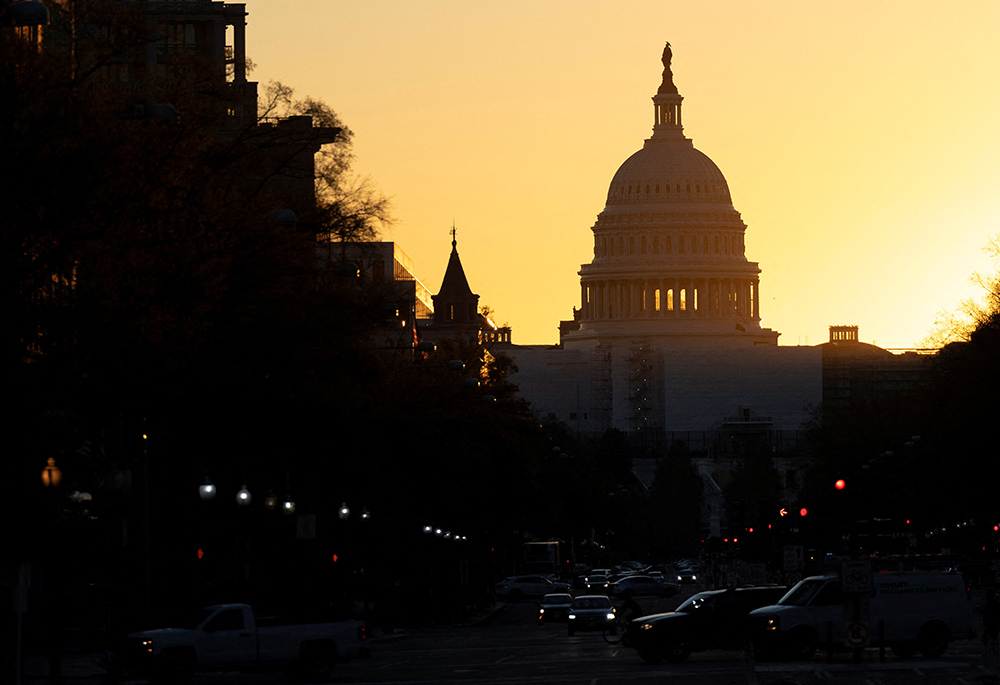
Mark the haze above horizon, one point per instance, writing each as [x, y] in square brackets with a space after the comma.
[859, 140]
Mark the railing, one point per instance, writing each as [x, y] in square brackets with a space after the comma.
[748, 419]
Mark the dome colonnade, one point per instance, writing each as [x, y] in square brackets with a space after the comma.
[669, 245]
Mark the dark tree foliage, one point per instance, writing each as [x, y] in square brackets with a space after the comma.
[754, 491]
[675, 504]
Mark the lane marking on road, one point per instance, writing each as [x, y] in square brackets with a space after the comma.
[506, 658]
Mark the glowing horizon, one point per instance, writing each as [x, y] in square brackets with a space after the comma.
[858, 141]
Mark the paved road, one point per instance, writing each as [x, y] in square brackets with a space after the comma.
[511, 648]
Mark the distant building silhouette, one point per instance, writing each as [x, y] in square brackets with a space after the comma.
[667, 343]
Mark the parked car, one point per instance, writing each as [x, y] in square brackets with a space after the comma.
[227, 636]
[708, 620]
[915, 611]
[590, 611]
[528, 586]
[637, 586]
[554, 607]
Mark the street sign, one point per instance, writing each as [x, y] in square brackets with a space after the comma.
[793, 557]
[856, 634]
[856, 578]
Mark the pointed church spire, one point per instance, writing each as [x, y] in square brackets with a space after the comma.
[455, 302]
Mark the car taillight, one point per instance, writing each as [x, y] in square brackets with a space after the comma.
[362, 632]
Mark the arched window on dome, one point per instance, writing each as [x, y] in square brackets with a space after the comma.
[670, 299]
[657, 189]
[680, 244]
[704, 244]
[697, 188]
[689, 188]
[656, 299]
[642, 245]
[656, 244]
[716, 244]
[647, 189]
[631, 245]
[669, 246]
[666, 187]
[694, 244]
[621, 245]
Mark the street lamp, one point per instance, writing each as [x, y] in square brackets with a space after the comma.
[243, 497]
[343, 513]
[206, 490]
[51, 475]
[271, 501]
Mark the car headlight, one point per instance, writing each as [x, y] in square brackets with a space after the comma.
[147, 645]
[772, 623]
[571, 616]
[610, 616]
[646, 626]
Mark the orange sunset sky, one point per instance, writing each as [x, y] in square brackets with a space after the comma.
[860, 140]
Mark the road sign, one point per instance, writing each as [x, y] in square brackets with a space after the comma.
[793, 557]
[856, 578]
[856, 634]
[792, 578]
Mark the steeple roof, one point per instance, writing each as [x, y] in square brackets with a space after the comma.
[455, 283]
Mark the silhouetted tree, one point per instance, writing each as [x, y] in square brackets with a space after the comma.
[675, 504]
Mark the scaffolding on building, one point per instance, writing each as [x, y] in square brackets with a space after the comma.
[643, 415]
[601, 389]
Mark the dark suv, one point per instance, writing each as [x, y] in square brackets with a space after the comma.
[709, 620]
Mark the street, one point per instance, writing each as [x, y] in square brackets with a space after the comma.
[511, 648]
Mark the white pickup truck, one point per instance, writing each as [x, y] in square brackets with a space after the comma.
[228, 637]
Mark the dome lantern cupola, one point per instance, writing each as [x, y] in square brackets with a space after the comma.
[667, 103]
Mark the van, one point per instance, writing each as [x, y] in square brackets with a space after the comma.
[905, 611]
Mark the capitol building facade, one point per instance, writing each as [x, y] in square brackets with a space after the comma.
[667, 343]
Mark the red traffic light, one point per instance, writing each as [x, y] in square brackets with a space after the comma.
[803, 511]
[840, 484]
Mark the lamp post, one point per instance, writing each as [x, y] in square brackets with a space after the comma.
[206, 490]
